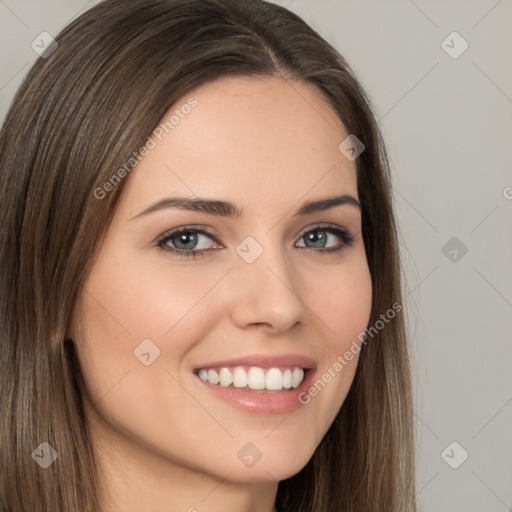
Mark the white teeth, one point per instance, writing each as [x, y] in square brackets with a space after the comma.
[213, 377]
[272, 379]
[225, 377]
[297, 377]
[287, 379]
[256, 378]
[239, 377]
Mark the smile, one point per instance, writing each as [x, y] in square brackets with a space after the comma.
[254, 377]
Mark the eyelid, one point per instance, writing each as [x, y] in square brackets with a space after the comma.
[190, 227]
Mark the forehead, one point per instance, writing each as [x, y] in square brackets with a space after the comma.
[249, 140]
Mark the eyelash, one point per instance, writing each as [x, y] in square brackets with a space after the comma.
[345, 235]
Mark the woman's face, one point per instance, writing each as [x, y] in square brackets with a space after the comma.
[261, 293]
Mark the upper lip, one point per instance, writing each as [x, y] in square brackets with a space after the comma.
[263, 361]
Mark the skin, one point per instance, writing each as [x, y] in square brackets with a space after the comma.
[165, 443]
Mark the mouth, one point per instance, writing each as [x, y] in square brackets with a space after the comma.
[258, 384]
[254, 378]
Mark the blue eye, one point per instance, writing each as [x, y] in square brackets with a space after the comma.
[183, 238]
[316, 236]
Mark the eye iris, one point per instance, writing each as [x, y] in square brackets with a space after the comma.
[182, 238]
[315, 237]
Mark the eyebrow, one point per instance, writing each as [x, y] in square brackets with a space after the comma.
[228, 209]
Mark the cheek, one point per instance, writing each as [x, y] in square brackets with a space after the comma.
[126, 303]
[124, 321]
[347, 305]
[154, 298]
[343, 302]
[134, 314]
[344, 310]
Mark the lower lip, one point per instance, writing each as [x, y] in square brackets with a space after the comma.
[269, 403]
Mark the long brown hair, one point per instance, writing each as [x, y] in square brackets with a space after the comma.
[78, 117]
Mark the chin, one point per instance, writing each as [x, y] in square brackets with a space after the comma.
[274, 466]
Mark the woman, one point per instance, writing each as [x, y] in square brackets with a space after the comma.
[261, 367]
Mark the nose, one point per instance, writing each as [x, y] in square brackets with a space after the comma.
[267, 292]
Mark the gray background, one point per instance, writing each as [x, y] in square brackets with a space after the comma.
[447, 122]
